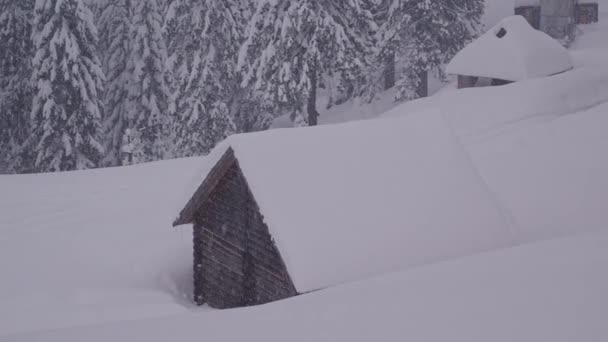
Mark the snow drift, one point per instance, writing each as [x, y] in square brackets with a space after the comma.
[89, 247]
[551, 291]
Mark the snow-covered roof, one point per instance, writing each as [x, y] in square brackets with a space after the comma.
[512, 50]
[345, 202]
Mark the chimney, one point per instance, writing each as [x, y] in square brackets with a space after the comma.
[557, 18]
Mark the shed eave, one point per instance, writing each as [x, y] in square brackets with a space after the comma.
[186, 215]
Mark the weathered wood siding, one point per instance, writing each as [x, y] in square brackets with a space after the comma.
[235, 260]
[423, 88]
[499, 82]
[584, 13]
[466, 81]
[587, 13]
[531, 13]
[557, 18]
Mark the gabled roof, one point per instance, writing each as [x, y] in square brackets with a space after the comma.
[512, 50]
[345, 202]
[224, 159]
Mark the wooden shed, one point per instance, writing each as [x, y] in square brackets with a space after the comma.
[285, 212]
[236, 262]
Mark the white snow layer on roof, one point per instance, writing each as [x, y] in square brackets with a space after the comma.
[91, 247]
[550, 174]
[522, 53]
[351, 201]
[539, 145]
[478, 112]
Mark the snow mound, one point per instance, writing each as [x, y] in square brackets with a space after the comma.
[512, 50]
[550, 175]
[478, 112]
[538, 145]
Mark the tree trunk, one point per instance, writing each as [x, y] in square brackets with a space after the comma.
[423, 86]
[389, 71]
[313, 114]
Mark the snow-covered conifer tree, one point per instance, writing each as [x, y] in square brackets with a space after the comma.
[426, 34]
[204, 37]
[385, 57]
[292, 47]
[15, 86]
[66, 129]
[147, 103]
[114, 26]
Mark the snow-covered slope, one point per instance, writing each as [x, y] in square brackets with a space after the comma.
[551, 175]
[89, 247]
[553, 291]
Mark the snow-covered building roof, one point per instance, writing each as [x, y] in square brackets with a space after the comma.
[345, 202]
[513, 51]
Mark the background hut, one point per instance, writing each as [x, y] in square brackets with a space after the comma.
[509, 52]
[559, 17]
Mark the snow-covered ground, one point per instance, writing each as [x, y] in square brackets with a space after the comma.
[90, 247]
[553, 291]
[90, 256]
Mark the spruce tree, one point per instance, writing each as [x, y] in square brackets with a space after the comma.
[114, 32]
[15, 87]
[147, 104]
[68, 79]
[427, 34]
[385, 57]
[294, 47]
[203, 37]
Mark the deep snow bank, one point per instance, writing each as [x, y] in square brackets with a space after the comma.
[538, 144]
[550, 175]
[476, 112]
[552, 291]
[91, 247]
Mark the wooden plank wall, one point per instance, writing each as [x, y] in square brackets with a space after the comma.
[235, 260]
[557, 18]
